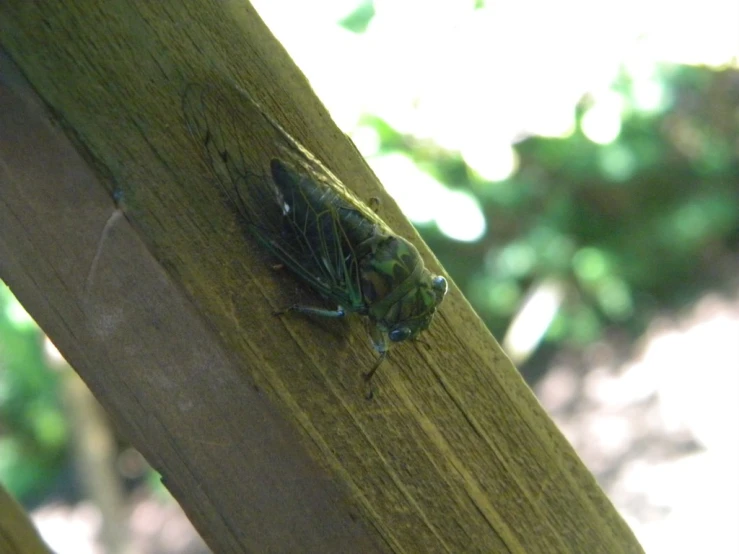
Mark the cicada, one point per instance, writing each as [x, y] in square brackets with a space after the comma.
[301, 212]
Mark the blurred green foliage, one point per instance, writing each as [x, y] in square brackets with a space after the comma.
[33, 431]
[642, 224]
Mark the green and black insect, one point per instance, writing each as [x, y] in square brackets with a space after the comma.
[312, 223]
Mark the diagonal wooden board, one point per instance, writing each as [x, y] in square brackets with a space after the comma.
[258, 426]
[141, 347]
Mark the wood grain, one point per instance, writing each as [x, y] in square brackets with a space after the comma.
[258, 424]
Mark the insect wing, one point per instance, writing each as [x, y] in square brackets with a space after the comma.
[296, 208]
[305, 163]
[217, 127]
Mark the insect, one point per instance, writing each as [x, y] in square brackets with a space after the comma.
[299, 211]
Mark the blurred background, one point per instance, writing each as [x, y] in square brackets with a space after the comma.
[575, 168]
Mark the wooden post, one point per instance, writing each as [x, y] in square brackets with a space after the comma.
[258, 425]
[17, 533]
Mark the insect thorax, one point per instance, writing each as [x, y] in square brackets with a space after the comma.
[397, 287]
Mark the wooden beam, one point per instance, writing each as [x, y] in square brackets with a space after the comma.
[258, 425]
[17, 533]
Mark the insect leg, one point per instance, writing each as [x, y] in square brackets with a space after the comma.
[310, 310]
[368, 376]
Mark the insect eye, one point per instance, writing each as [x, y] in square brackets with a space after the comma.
[399, 334]
[440, 284]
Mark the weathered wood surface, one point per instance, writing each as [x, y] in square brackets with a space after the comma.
[17, 533]
[258, 424]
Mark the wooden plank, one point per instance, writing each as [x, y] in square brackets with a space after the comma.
[17, 533]
[259, 425]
